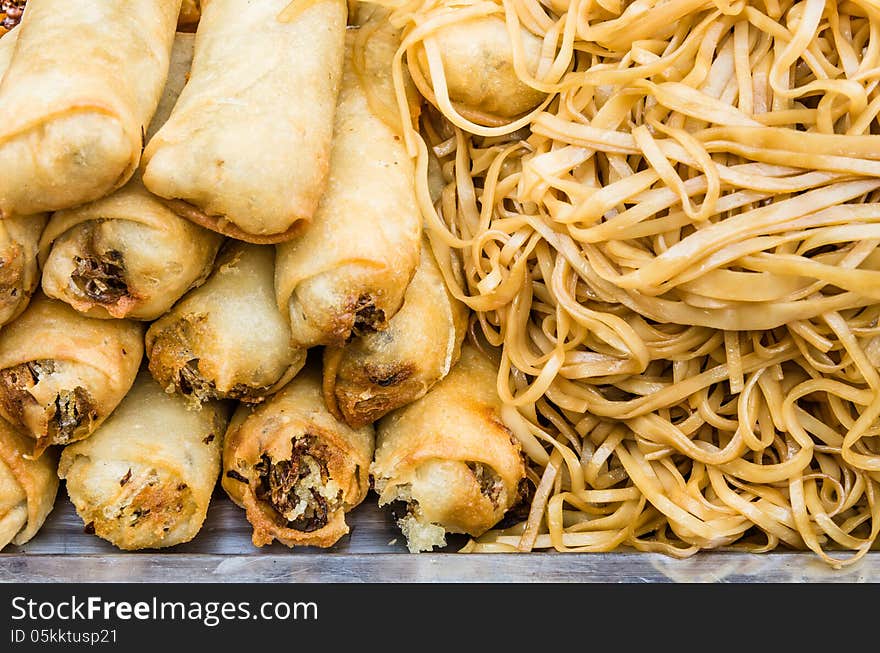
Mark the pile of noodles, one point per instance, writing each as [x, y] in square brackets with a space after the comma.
[675, 258]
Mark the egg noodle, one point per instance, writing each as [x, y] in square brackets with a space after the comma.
[674, 258]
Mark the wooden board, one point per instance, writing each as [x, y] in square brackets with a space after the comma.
[374, 551]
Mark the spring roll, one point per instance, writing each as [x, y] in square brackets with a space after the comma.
[449, 457]
[226, 339]
[294, 468]
[379, 372]
[62, 373]
[145, 477]
[246, 149]
[28, 487]
[477, 59]
[347, 273]
[127, 254]
[83, 84]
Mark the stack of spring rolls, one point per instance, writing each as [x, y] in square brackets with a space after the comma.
[213, 266]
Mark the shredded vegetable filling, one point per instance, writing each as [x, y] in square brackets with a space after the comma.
[674, 258]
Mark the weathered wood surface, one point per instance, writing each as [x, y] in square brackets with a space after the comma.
[375, 552]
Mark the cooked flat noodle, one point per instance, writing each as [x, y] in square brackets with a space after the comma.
[676, 257]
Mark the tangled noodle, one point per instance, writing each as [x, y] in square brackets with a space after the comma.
[674, 258]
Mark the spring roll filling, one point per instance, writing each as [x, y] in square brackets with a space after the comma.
[299, 489]
[100, 277]
[491, 485]
[367, 318]
[59, 421]
[11, 12]
[420, 534]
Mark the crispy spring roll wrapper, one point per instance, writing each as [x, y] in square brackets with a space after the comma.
[28, 487]
[226, 339]
[246, 150]
[449, 457]
[19, 235]
[346, 274]
[62, 373]
[127, 254]
[83, 84]
[294, 468]
[379, 372]
[477, 59]
[145, 477]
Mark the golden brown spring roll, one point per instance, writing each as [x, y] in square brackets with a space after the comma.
[19, 236]
[449, 457]
[28, 487]
[346, 274]
[226, 339]
[294, 468]
[145, 477]
[127, 254]
[378, 372]
[83, 84]
[62, 373]
[246, 149]
[477, 59]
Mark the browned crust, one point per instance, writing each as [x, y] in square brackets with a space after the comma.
[173, 363]
[148, 505]
[374, 390]
[264, 521]
[267, 524]
[277, 481]
[223, 226]
[355, 317]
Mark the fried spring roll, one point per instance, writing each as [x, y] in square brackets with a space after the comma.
[449, 457]
[294, 468]
[378, 372]
[145, 477]
[62, 373]
[226, 339]
[346, 274]
[477, 59]
[28, 487]
[82, 86]
[127, 254]
[19, 236]
[246, 149]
